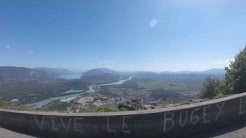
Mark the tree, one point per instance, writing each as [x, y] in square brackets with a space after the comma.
[235, 77]
[211, 88]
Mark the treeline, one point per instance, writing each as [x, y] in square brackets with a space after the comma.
[233, 83]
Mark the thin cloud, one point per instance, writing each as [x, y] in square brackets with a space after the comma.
[8, 47]
[153, 23]
[31, 52]
[198, 1]
[224, 63]
[104, 61]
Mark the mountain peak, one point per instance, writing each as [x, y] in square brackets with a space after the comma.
[98, 71]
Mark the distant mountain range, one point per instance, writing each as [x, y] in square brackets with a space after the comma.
[10, 72]
[98, 71]
[62, 73]
[58, 71]
[106, 70]
[99, 75]
[210, 71]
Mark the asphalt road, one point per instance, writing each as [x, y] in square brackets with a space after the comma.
[235, 131]
[240, 133]
[4, 133]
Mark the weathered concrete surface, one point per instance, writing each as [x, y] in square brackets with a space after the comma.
[170, 122]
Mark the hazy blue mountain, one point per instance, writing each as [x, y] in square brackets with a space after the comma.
[101, 75]
[210, 71]
[143, 73]
[98, 74]
[59, 71]
[62, 73]
[100, 71]
[215, 71]
[24, 74]
[178, 72]
[94, 74]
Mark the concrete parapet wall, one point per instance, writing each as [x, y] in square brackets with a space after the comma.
[169, 122]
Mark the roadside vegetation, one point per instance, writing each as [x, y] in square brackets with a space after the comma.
[103, 108]
[233, 83]
[5, 105]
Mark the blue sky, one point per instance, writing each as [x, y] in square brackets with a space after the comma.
[155, 35]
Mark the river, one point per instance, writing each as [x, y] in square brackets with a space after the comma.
[68, 98]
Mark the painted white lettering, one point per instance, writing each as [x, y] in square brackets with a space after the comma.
[124, 125]
[53, 123]
[168, 119]
[77, 124]
[194, 119]
[182, 124]
[220, 107]
[40, 125]
[204, 116]
[108, 128]
[66, 127]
